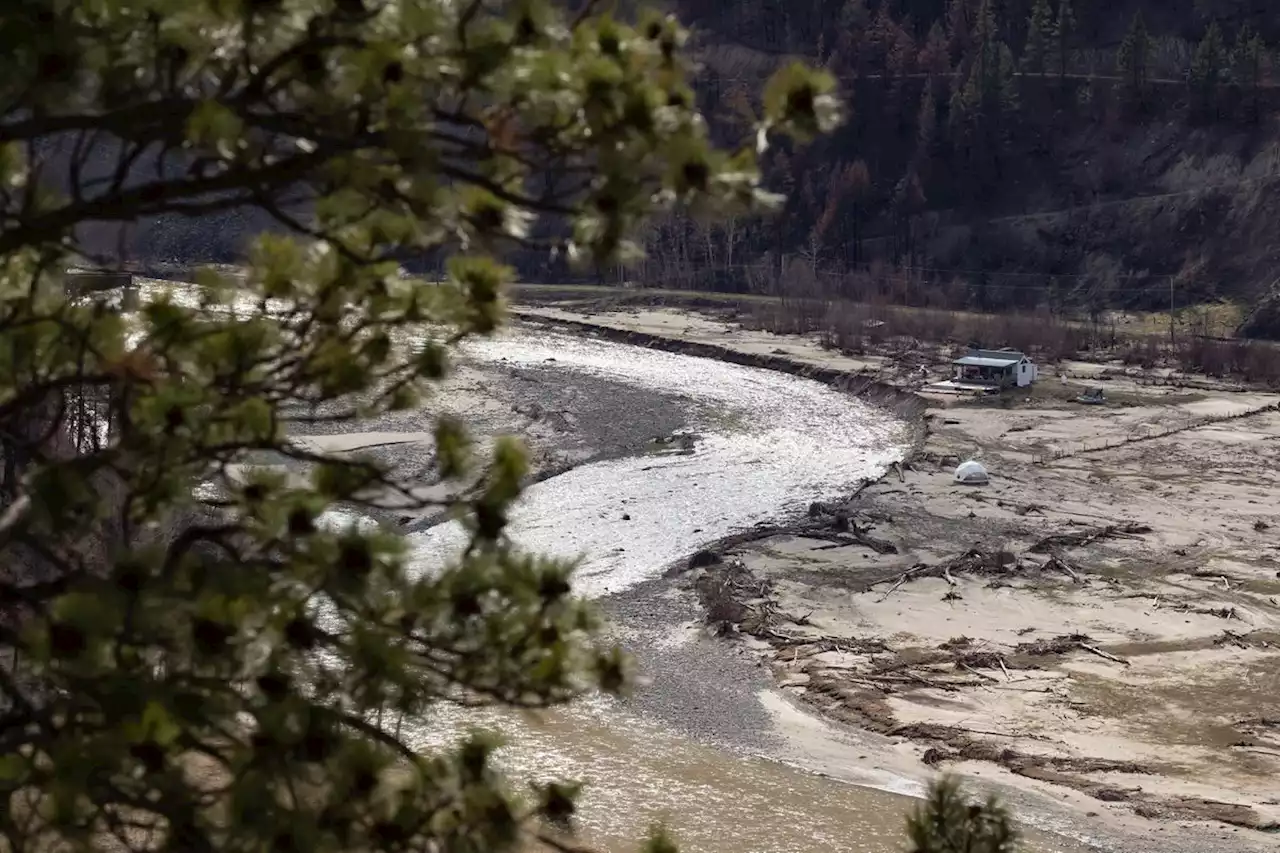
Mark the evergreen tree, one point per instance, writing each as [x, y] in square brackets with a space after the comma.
[1247, 69]
[983, 105]
[1208, 69]
[1133, 61]
[959, 29]
[881, 39]
[946, 822]
[1064, 27]
[781, 171]
[1007, 84]
[192, 657]
[854, 21]
[848, 202]
[1035, 54]
[989, 90]
[900, 64]
[926, 135]
[854, 15]
[907, 202]
[935, 59]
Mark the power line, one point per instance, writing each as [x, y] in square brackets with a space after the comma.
[1096, 205]
[847, 77]
[1011, 273]
[903, 273]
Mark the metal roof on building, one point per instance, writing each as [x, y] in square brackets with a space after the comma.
[982, 361]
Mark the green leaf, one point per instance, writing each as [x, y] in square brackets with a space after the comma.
[158, 725]
[799, 100]
[214, 126]
[13, 768]
[433, 361]
[660, 842]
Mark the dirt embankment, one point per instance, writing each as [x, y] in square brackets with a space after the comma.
[1100, 620]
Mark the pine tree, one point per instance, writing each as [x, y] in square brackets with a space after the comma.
[193, 655]
[926, 132]
[850, 197]
[1133, 61]
[1208, 68]
[1064, 26]
[935, 59]
[947, 822]
[907, 202]
[854, 15]
[1035, 54]
[854, 21]
[928, 143]
[959, 29]
[989, 89]
[881, 38]
[781, 171]
[983, 105]
[1247, 69]
[1007, 81]
[900, 63]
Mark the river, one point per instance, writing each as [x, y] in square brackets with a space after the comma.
[767, 445]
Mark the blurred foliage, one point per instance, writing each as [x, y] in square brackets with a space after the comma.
[194, 659]
[948, 822]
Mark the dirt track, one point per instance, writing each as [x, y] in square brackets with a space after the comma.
[1134, 672]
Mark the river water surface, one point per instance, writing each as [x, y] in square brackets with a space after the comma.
[768, 444]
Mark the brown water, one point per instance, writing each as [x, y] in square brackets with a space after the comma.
[712, 800]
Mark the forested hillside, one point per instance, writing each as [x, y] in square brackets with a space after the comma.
[998, 154]
[1004, 153]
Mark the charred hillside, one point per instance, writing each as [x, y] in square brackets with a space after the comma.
[1004, 153]
[1000, 154]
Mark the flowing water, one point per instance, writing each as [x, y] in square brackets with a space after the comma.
[768, 444]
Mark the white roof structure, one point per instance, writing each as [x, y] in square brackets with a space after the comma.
[985, 361]
[972, 473]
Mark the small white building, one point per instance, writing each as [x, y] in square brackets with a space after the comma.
[998, 368]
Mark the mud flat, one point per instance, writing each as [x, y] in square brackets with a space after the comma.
[1100, 622]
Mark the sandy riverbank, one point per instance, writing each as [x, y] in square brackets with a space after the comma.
[1134, 675]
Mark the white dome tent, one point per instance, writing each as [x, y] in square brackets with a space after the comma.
[972, 473]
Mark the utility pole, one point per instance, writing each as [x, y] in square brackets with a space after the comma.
[1173, 343]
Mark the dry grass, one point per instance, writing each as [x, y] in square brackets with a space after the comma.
[859, 328]
[1200, 343]
[1219, 320]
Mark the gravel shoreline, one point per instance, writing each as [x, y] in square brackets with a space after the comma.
[689, 680]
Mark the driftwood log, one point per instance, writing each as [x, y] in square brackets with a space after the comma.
[1057, 541]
